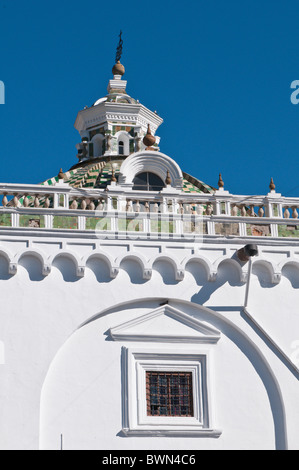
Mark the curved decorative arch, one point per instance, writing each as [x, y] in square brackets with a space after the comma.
[273, 269]
[288, 262]
[290, 270]
[179, 270]
[242, 272]
[153, 162]
[140, 259]
[113, 268]
[6, 254]
[227, 327]
[12, 266]
[210, 270]
[46, 268]
[80, 267]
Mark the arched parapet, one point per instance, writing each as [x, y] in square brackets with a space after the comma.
[290, 270]
[272, 268]
[35, 253]
[288, 262]
[12, 266]
[242, 271]
[209, 268]
[153, 162]
[112, 265]
[6, 254]
[179, 270]
[80, 266]
[140, 259]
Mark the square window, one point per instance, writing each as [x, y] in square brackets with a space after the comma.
[166, 393]
[169, 393]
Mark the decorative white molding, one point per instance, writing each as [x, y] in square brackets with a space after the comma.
[165, 324]
[212, 433]
[136, 422]
[151, 161]
[179, 265]
[115, 111]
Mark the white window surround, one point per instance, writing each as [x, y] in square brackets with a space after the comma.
[124, 137]
[97, 142]
[152, 162]
[136, 422]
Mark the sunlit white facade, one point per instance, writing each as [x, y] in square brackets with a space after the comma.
[126, 270]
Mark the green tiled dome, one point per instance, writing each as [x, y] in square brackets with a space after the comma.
[98, 174]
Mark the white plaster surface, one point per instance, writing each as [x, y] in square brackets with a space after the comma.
[63, 376]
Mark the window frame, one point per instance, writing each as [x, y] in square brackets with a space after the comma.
[148, 186]
[136, 362]
[165, 395]
[121, 147]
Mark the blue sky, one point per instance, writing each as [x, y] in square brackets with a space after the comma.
[218, 72]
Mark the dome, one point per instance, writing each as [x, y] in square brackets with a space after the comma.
[97, 173]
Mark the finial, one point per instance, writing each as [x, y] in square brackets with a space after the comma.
[119, 49]
[113, 178]
[149, 139]
[118, 68]
[60, 174]
[168, 179]
[220, 182]
[272, 185]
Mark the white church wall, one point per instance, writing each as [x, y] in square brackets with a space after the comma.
[47, 311]
[275, 307]
[81, 389]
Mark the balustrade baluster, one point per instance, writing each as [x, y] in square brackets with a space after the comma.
[235, 210]
[47, 201]
[209, 209]
[199, 209]
[188, 209]
[251, 212]
[243, 211]
[137, 206]
[4, 200]
[295, 213]
[129, 206]
[286, 213]
[36, 201]
[156, 207]
[74, 204]
[261, 211]
[15, 200]
[25, 201]
[100, 206]
[91, 205]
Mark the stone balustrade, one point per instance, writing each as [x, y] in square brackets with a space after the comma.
[219, 214]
